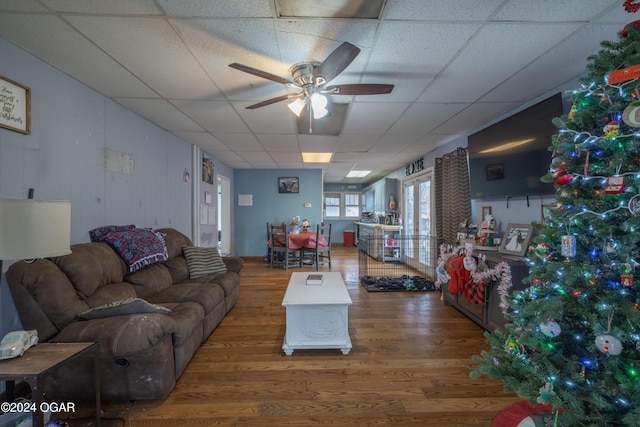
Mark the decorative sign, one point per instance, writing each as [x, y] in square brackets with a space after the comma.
[15, 106]
[631, 115]
[634, 205]
[414, 167]
[624, 75]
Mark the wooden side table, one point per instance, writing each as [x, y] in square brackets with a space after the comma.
[37, 362]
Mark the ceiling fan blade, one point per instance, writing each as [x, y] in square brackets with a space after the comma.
[261, 73]
[360, 89]
[335, 63]
[272, 101]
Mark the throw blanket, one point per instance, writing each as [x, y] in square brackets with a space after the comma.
[138, 247]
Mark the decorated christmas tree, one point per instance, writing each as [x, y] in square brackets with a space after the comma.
[573, 337]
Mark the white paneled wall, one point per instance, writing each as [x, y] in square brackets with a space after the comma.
[63, 158]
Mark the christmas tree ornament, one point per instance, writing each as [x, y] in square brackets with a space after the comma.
[611, 129]
[546, 393]
[568, 247]
[615, 185]
[550, 328]
[511, 346]
[608, 344]
[634, 205]
[630, 6]
[626, 280]
[562, 176]
[573, 112]
[631, 115]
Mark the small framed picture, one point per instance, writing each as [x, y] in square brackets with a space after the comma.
[516, 239]
[545, 212]
[288, 184]
[495, 172]
[486, 210]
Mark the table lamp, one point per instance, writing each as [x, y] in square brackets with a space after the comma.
[31, 229]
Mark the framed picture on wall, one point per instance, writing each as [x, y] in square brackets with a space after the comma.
[289, 184]
[495, 172]
[516, 239]
[15, 105]
[207, 169]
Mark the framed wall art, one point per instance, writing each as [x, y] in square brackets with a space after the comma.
[516, 239]
[15, 106]
[288, 184]
[207, 169]
[545, 212]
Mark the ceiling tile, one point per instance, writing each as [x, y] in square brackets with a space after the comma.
[218, 8]
[174, 74]
[372, 118]
[215, 116]
[160, 112]
[118, 7]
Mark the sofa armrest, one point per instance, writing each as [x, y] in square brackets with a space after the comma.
[120, 334]
[234, 264]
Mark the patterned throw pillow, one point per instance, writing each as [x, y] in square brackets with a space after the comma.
[203, 261]
[126, 306]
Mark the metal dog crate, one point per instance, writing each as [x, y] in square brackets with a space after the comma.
[396, 256]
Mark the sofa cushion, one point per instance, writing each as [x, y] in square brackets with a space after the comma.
[208, 295]
[203, 261]
[178, 269]
[110, 293]
[188, 317]
[174, 240]
[91, 266]
[120, 308]
[150, 280]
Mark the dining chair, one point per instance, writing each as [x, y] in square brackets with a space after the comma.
[281, 252]
[321, 253]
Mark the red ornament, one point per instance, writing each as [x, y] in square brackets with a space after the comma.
[615, 185]
[630, 6]
[636, 24]
[626, 279]
[562, 176]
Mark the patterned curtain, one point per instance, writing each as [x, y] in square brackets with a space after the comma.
[453, 195]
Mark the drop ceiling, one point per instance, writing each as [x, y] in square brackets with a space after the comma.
[456, 65]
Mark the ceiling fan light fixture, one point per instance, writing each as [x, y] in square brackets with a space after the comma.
[319, 105]
[297, 106]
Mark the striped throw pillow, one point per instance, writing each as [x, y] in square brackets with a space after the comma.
[203, 261]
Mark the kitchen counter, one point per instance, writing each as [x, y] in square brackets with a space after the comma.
[379, 240]
[380, 226]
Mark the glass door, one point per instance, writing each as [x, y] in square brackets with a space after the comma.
[419, 246]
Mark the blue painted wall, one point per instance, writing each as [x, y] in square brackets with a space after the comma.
[271, 206]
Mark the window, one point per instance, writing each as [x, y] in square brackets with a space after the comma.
[352, 205]
[342, 205]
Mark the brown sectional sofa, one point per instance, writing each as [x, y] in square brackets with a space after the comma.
[141, 354]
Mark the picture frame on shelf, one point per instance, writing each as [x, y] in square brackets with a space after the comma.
[516, 239]
[289, 184]
[486, 210]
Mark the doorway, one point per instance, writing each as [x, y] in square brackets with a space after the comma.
[224, 214]
[420, 246]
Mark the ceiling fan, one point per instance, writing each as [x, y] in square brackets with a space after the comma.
[311, 77]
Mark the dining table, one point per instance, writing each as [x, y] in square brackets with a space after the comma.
[300, 240]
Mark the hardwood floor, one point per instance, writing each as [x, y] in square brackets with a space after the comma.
[407, 366]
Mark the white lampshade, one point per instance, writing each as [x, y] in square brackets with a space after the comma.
[296, 106]
[34, 228]
[319, 105]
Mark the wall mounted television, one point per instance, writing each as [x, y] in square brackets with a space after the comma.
[508, 158]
